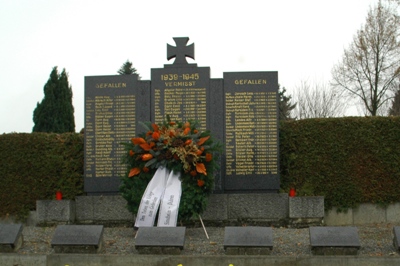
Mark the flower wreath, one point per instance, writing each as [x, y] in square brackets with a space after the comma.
[179, 147]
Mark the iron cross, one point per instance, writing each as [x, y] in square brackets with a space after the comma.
[181, 51]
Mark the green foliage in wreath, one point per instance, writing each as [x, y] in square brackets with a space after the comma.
[179, 147]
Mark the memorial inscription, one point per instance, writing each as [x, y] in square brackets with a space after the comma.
[181, 93]
[251, 130]
[110, 119]
[241, 110]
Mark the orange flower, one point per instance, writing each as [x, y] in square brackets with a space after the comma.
[199, 152]
[200, 182]
[145, 146]
[202, 140]
[155, 127]
[172, 134]
[152, 144]
[149, 133]
[186, 131]
[201, 168]
[172, 123]
[188, 142]
[156, 135]
[134, 171]
[195, 131]
[138, 141]
[187, 124]
[208, 157]
[131, 153]
[193, 173]
[146, 169]
[147, 156]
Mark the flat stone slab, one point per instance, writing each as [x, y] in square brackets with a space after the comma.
[160, 240]
[396, 237]
[11, 238]
[78, 238]
[251, 240]
[334, 240]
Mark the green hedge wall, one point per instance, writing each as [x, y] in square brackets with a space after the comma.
[347, 160]
[34, 166]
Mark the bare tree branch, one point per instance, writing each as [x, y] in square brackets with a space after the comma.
[370, 67]
[317, 100]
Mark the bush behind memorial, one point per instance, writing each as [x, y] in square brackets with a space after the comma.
[347, 160]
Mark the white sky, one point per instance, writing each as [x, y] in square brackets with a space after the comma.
[299, 39]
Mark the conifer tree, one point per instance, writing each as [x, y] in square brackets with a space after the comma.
[55, 113]
[395, 109]
[285, 104]
[128, 69]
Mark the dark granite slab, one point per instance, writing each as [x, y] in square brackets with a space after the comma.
[10, 237]
[250, 240]
[78, 238]
[334, 240]
[160, 240]
[250, 236]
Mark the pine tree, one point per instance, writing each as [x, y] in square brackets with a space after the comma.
[285, 106]
[127, 69]
[55, 113]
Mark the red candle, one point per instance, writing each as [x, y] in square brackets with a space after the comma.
[58, 195]
[292, 192]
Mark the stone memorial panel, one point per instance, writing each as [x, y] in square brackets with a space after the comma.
[78, 238]
[10, 237]
[240, 110]
[251, 131]
[114, 106]
[334, 240]
[248, 240]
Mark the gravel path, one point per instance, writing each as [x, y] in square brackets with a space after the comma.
[376, 240]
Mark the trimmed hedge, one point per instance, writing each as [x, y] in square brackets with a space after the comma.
[34, 166]
[347, 160]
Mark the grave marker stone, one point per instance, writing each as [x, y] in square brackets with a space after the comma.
[78, 239]
[160, 240]
[250, 240]
[11, 238]
[334, 240]
[241, 110]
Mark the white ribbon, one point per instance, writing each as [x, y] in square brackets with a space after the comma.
[164, 187]
[168, 215]
[151, 198]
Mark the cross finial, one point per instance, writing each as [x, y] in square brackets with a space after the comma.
[181, 51]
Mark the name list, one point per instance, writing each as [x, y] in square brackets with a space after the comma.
[251, 129]
[182, 96]
[110, 120]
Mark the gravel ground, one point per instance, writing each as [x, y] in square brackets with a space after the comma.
[376, 240]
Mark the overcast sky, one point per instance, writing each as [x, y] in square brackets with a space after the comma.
[299, 39]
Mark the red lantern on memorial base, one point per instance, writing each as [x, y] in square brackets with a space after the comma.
[292, 192]
[58, 195]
